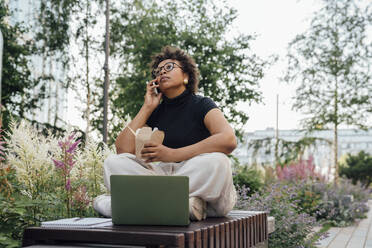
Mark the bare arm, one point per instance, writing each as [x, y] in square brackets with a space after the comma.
[125, 142]
[222, 139]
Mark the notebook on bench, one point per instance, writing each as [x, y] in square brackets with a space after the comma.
[150, 200]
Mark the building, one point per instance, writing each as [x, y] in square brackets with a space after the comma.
[349, 141]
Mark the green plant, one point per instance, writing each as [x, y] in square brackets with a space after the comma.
[15, 208]
[307, 199]
[32, 189]
[90, 165]
[335, 207]
[358, 168]
[292, 227]
[29, 154]
[250, 178]
[328, 202]
[64, 167]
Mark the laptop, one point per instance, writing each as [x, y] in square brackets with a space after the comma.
[150, 200]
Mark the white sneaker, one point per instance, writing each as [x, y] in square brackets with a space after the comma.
[102, 204]
[197, 208]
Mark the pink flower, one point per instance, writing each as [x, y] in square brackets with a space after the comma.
[73, 147]
[68, 185]
[71, 137]
[60, 144]
[58, 164]
[303, 169]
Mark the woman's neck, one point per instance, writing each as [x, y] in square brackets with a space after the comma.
[172, 93]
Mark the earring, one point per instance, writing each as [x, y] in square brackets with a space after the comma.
[185, 81]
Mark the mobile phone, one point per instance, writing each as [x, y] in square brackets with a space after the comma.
[155, 89]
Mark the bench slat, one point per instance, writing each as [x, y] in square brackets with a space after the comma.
[204, 237]
[217, 239]
[222, 235]
[211, 237]
[227, 235]
[238, 229]
[198, 239]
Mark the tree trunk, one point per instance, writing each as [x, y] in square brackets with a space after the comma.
[106, 69]
[86, 43]
[56, 108]
[335, 150]
[277, 132]
[335, 138]
[56, 80]
[50, 89]
[43, 66]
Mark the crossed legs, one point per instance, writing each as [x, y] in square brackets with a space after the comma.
[210, 178]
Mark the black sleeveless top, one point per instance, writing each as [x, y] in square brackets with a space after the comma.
[182, 119]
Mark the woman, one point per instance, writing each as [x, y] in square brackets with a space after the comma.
[197, 137]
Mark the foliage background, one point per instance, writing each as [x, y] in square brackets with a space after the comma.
[16, 99]
[358, 168]
[230, 72]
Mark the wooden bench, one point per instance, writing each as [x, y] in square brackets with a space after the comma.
[238, 229]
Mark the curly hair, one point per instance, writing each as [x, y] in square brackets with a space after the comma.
[187, 63]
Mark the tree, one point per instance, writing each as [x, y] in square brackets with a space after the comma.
[83, 76]
[52, 39]
[16, 75]
[331, 61]
[358, 168]
[229, 70]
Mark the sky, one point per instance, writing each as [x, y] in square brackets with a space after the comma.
[276, 23]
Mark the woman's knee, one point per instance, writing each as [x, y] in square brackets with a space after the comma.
[215, 161]
[115, 160]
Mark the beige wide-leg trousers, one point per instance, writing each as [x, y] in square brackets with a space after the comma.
[210, 178]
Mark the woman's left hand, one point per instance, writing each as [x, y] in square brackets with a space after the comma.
[153, 152]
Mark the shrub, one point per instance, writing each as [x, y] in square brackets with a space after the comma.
[16, 210]
[44, 178]
[358, 168]
[269, 174]
[302, 199]
[335, 208]
[325, 201]
[329, 202]
[90, 165]
[29, 154]
[308, 199]
[249, 178]
[41, 161]
[292, 227]
[301, 170]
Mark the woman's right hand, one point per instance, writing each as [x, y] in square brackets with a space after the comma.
[152, 99]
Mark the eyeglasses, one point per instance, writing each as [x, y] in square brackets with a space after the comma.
[167, 67]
